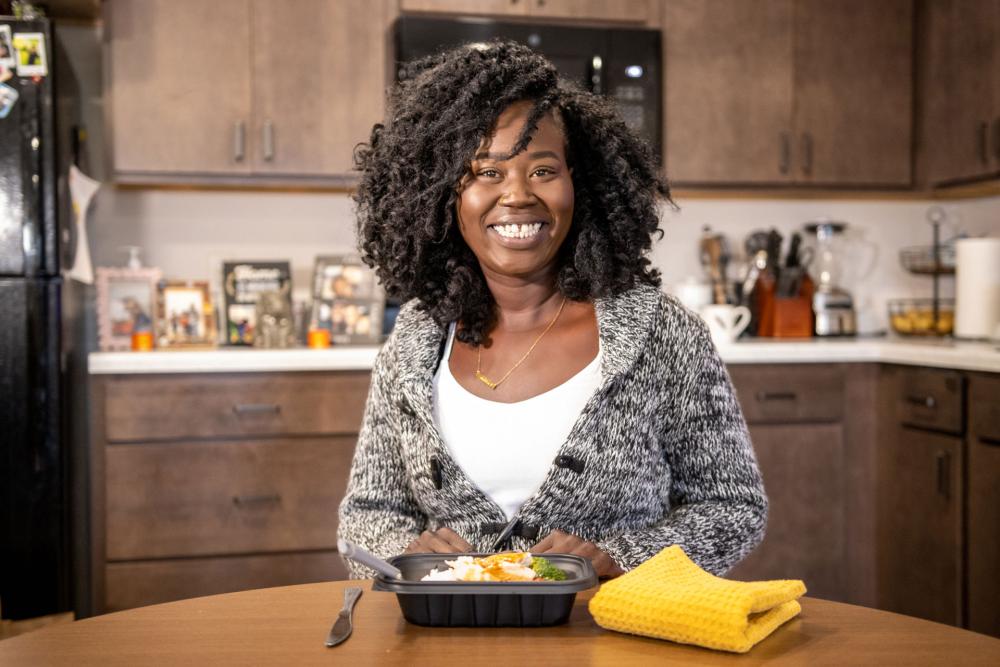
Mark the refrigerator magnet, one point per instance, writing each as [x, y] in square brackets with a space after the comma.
[8, 98]
[6, 48]
[31, 59]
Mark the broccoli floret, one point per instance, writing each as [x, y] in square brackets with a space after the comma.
[546, 570]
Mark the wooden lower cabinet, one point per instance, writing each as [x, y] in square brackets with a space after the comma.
[212, 483]
[984, 505]
[812, 428]
[135, 584]
[920, 522]
[804, 474]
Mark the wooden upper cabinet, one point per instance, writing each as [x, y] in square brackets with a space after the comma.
[788, 91]
[853, 92]
[628, 11]
[179, 85]
[319, 69]
[494, 7]
[728, 91]
[962, 96]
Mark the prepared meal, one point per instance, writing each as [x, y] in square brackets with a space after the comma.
[510, 566]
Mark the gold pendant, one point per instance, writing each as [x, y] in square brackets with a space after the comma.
[485, 380]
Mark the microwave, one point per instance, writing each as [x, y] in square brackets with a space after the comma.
[621, 63]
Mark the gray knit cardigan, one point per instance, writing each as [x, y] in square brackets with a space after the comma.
[660, 454]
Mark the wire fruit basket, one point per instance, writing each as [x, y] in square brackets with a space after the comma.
[917, 317]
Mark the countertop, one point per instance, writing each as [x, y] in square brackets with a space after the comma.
[959, 355]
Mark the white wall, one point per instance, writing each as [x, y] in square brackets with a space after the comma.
[189, 233]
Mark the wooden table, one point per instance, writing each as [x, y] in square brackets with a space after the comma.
[287, 626]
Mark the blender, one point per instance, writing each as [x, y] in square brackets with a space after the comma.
[832, 305]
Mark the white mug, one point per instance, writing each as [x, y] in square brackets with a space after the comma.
[726, 322]
[693, 293]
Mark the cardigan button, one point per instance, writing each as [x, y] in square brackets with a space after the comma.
[569, 462]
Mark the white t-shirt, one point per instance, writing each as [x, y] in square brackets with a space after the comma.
[506, 449]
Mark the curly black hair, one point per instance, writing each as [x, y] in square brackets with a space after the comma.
[439, 112]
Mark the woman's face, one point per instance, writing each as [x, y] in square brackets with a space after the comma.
[515, 214]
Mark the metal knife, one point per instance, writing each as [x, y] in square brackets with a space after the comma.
[342, 627]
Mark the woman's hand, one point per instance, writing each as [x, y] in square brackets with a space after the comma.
[559, 542]
[441, 541]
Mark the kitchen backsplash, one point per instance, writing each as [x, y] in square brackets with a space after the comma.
[189, 233]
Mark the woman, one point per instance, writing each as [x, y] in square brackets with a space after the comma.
[538, 391]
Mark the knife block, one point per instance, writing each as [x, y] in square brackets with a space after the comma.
[793, 317]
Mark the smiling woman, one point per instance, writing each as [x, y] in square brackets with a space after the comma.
[539, 392]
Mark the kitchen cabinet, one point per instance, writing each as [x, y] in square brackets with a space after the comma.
[984, 504]
[812, 428]
[961, 96]
[632, 11]
[921, 492]
[242, 492]
[799, 92]
[289, 91]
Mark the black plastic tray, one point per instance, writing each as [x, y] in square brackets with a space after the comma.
[486, 603]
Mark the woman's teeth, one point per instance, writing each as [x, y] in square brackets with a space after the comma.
[518, 231]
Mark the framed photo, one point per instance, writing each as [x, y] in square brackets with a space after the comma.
[126, 303]
[242, 283]
[7, 53]
[185, 314]
[31, 56]
[347, 300]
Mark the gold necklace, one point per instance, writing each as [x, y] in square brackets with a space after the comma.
[479, 359]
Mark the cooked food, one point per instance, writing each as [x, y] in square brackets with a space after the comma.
[511, 566]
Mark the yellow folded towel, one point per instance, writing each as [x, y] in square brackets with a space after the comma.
[669, 597]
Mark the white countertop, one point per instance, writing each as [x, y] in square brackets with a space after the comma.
[936, 353]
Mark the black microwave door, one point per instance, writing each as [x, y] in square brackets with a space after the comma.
[632, 77]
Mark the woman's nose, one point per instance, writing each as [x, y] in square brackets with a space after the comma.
[518, 194]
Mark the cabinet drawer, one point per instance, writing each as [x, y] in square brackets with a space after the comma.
[191, 499]
[984, 408]
[131, 585]
[145, 408]
[930, 398]
[789, 394]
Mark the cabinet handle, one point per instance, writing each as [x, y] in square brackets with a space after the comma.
[807, 154]
[984, 142]
[257, 501]
[268, 138]
[256, 409]
[764, 396]
[993, 442]
[996, 137]
[785, 154]
[944, 474]
[922, 401]
[239, 141]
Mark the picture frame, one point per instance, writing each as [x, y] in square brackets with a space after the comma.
[185, 314]
[347, 300]
[242, 283]
[8, 56]
[126, 303]
[32, 56]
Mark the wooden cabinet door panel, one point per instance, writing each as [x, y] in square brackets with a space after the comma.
[786, 393]
[984, 505]
[187, 499]
[920, 525]
[728, 91]
[497, 7]
[804, 476]
[143, 583]
[853, 92]
[179, 85]
[963, 80]
[319, 68]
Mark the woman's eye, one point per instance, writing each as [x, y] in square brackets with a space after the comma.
[489, 173]
[544, 171]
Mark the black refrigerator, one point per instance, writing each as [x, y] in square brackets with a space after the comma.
[34, 458]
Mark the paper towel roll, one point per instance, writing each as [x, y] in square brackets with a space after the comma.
[977, 287]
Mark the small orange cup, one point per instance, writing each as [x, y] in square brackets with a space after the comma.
[142, 341]
[319, 338]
